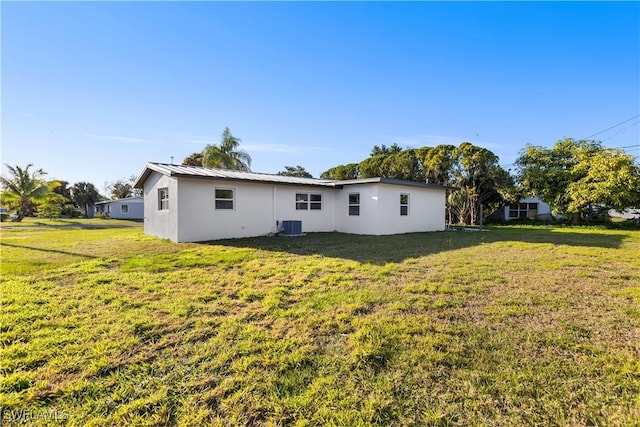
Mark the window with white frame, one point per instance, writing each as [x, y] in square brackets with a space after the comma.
[305, 201]
[404, 204]
[124, 209]
[224, 198]
[354, 204]
[163, 199]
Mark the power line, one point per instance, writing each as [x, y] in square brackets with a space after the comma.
[614, 126]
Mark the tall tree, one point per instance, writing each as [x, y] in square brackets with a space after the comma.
[226, 155]
[23, 188]
[342, 172]
[50, 206]
[384, 150]
[120, 189]
[437, 163]
[194, 159]
[476, 170]
[84, 194]
[609, 179]
[295, 171]
[575, 177]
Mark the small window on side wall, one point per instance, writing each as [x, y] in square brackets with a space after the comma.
[124, 209]
[354, 204]
[163, 199]
[404, 204]
[302, 201]
[224, 199]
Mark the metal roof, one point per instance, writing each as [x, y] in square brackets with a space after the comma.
[391, 181]
[225, 174]
[132, 198]
[201, 172]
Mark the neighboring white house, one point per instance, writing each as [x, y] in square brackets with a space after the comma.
[190, 203]
[528, 208]
[129, 208]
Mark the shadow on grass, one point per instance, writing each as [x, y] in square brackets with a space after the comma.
[73, 224]
[396, 248]
[55, 251]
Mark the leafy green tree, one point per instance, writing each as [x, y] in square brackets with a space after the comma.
[383, 150]
[194, 159]
[608, 179]
[476, 169]
[576, 177]
[120, 189]
[342, 172]
[50, 206]
[295, 171]
[437, 163]
[22, 189]
[84, 194]
[226, 155]
[62, 188]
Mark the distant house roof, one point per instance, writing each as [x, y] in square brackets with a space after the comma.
[126, 199]
[225, 174]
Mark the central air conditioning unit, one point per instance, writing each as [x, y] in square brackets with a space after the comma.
[291, 228]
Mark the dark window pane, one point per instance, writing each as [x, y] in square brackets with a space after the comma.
[224, 204]
[224, 194]
[354, 210]
[302, 197]
[301, 206]
[533, 206]
[316, 197]
[404, 210]
[316, 206]
[404, 199]
[354, 199]
[523, 206]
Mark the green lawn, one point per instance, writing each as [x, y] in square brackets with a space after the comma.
[105, 326]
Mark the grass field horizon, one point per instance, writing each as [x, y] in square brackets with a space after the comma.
[518, 325]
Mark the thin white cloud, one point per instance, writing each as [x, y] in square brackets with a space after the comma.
[127, 139]
[268, 148]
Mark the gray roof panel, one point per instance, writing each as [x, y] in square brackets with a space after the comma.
[225, 174]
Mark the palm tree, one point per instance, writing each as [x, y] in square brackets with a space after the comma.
[226, 155]
[84, 194]
[23, 188]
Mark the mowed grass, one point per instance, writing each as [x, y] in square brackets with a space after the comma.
[514, 326]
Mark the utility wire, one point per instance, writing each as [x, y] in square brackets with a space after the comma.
[614, 126]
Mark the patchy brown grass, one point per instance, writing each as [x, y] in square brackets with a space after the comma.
[106, 326]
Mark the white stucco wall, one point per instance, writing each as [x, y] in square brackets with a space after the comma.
[312, 220]
[161, 223]
[380, 210]
[258, 207]
[368, 220]
[426, 210]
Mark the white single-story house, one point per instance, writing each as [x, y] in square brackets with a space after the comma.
[128, 208]
[190, 204]
[528, 208]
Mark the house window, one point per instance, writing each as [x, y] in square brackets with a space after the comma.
[163, 199]
[224, 199]
[354, 204]
[523, 211]
[404, 204]
[124, 209]
[306, 201]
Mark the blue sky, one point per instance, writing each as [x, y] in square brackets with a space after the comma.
[92, 91]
